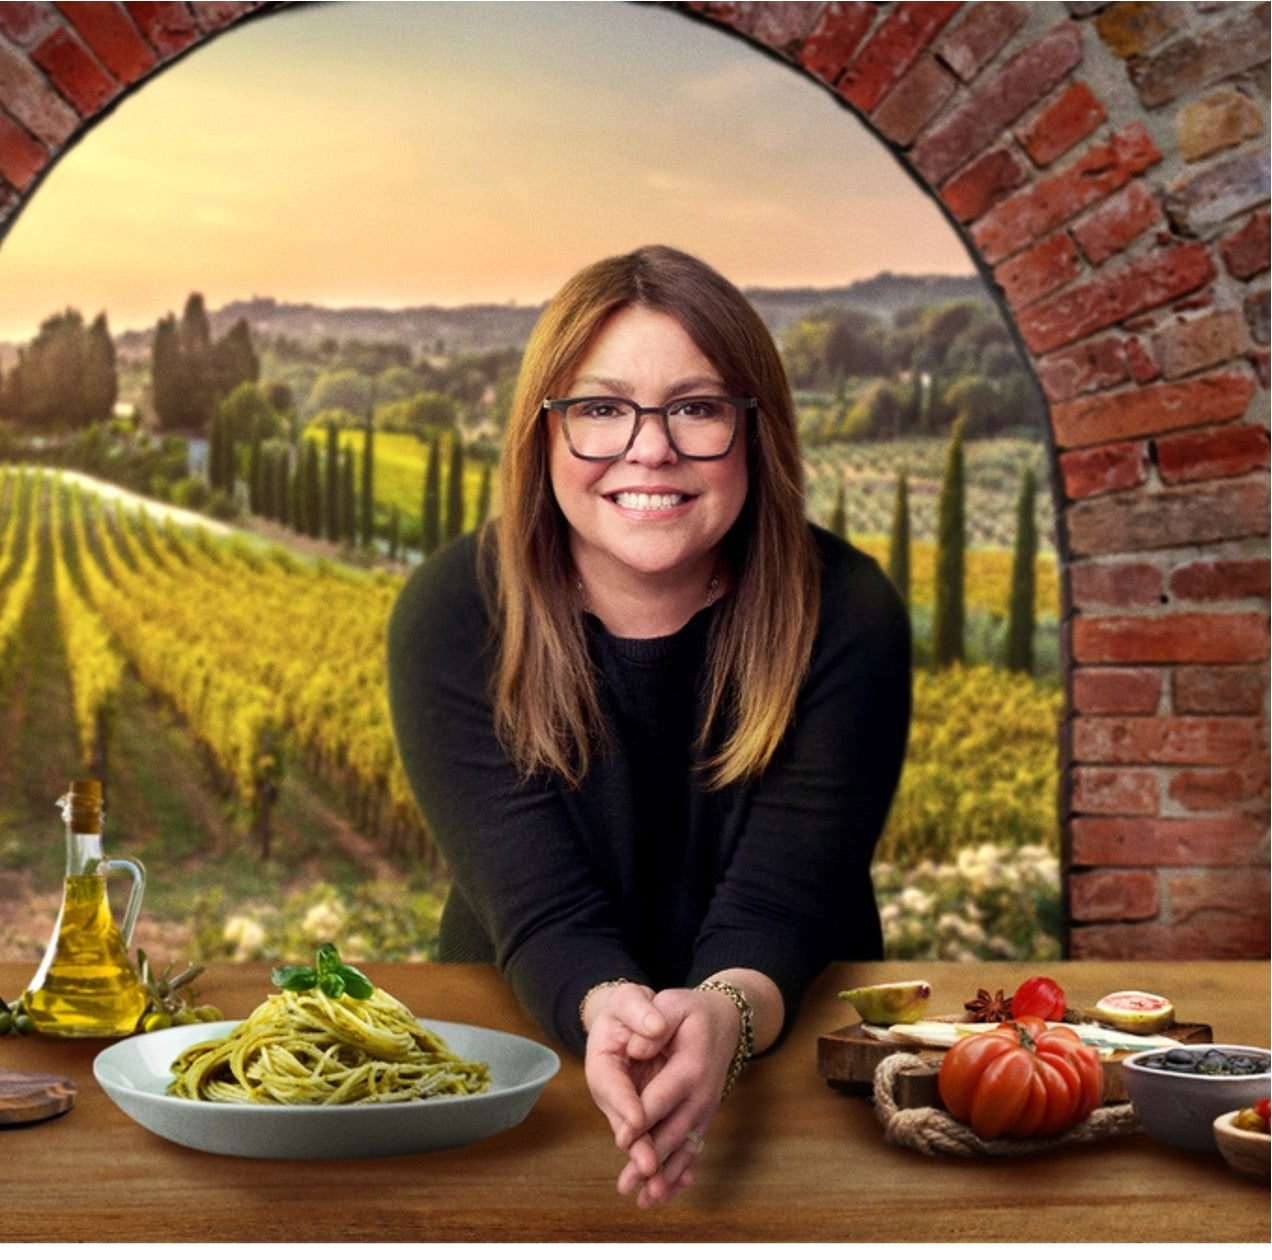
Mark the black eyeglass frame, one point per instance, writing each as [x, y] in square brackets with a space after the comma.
[741, 406]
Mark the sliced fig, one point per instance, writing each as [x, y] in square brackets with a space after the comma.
[1130, 1010]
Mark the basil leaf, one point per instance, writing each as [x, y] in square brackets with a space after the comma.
[356, 984]
[328, 958]
[294, 979]
[332, 984]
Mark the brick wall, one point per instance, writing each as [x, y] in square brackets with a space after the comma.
[1107, 165]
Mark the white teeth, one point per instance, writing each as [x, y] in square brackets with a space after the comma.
[648, 502]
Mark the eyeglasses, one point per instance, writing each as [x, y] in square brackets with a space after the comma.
[604, 428]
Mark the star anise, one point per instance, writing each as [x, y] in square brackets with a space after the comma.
[985, 1008]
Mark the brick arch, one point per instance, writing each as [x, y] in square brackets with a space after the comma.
[1107, 166]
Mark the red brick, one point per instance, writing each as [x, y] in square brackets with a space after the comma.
[1113, 895]
[1217, 840]
[1191, 740]
[1054, 199]
[1215, 898]
[995, 102]
[114, 40]
[781, 27]
[1114, 583]
[830, 45]
[1207, 455]
[1189, 345]
[1097, 364]
[74, 72]
[1177, 516]
[1152, 409]
[1234, 689]
[1143, 369]
[1066, 121]
[1202, 638]
[1221, 579]
[907, 30]
[1114, 224]
[1245, 252]
[1104, 469]
[1207, 791]
[983, 183]
[30, 100]
[1050, 264]
[915, 100]
[23, 23]
[1119, 791]
[166, 24]
[21, 157]
[1116, 690]
[1236, 936]
[980, 33]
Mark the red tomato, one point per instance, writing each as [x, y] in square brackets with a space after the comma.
[1021, 1079]
[1039, 996]
[1264, 1108]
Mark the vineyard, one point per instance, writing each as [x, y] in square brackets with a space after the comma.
[231, 694]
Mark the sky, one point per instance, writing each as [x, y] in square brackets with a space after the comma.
[420, 153]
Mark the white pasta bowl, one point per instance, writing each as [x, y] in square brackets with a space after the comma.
[136, 1073]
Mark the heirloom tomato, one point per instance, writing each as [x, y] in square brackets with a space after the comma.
[1039, 996]
[1021, 1079]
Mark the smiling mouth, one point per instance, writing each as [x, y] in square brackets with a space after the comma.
[648, 502]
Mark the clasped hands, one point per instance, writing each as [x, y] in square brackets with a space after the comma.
[656, 1064]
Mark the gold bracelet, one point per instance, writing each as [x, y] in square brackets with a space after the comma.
[596, 988]
[746, 1036]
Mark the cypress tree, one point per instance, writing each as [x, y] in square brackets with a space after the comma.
[311, 491]
[348, 499]
[282, 486]
[839, 513]
[899, 539]
[1020, 617]
[431, 513]
[367, 518]
[951, 541]
[256, 476]
[395, 530]
[455, 488]
[331, 496]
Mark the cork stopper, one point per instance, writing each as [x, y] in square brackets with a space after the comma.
[83, 807]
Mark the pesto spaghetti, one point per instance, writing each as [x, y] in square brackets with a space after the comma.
[309, 1047]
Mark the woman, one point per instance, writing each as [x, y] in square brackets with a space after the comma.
[653, 718]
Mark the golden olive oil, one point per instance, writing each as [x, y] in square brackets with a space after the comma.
[85, 986]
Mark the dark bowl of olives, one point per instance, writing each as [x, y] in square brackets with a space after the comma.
[1177, 1092]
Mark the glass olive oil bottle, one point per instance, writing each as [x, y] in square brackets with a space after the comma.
[85, 986]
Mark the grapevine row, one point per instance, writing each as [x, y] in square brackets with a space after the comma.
[21, 539]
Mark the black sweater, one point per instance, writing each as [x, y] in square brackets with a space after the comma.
[641, 872]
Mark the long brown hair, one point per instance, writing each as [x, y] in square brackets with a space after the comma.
[547, 712]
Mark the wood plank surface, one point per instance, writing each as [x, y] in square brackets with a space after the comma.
[26, 1097]
[787, 1159]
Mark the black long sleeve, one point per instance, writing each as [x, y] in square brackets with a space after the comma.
[641, 872]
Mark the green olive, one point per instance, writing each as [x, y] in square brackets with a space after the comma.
[156, 1020]
[6, 1021]
[208, 1014]
[23, 1023]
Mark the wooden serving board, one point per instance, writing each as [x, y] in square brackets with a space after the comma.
[848, 1056]
[28, 1096]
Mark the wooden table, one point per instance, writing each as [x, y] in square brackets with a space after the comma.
[789, 1158]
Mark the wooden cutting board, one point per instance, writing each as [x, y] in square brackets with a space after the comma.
[28, 1096]
[848, 1056]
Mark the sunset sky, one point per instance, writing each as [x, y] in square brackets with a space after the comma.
[407, 154]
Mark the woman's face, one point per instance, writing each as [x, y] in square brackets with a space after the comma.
[649, 513]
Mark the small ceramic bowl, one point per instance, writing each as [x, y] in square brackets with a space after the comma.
[1246, 1150]
[1179, 1107]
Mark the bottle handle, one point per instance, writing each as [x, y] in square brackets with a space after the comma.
[138, 875]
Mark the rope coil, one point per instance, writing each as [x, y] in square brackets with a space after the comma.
[932, 1131]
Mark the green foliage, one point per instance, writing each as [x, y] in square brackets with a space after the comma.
[899, 539]
[1021, 616]
[951, 543]
[838, 524]
[455, 489]
[431, 508]
[366, 517]
[66, 378]
[191, 373]
[997, 902]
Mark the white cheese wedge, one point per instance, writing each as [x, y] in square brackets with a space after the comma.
[943, 1033]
